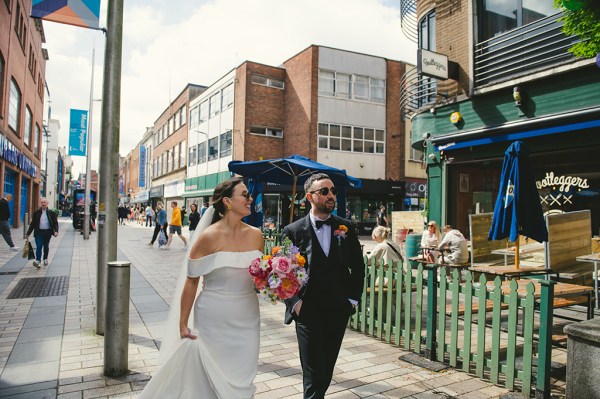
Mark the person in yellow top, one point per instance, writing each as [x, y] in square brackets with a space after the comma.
[175, 226]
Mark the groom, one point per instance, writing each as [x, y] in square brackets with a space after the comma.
[336, 274]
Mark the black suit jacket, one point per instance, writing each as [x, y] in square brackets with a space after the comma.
[35, 222]
[348, 253]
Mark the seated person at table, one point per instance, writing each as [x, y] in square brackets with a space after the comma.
[431, 238]
[385, 248]
[457, 244]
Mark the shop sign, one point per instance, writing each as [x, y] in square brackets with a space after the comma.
[562, 187]
[12, 154]
[564, 183]
[432, 64]
[157, 191]
[415, 189]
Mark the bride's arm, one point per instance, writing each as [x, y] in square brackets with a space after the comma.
[187, 301]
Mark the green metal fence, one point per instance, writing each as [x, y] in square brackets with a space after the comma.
[480, 327]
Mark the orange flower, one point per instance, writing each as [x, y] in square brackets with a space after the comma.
[267, 257]
[275, 250]
[344, 228]
[300, 260]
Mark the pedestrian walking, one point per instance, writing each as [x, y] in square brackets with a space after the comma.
[325, 303]
[194, 218]
[175, 226]
[160, 223]
[149, 214]
[44, 225]
[4, 224]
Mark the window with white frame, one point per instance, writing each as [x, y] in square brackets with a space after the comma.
[267, 81]
[203, 111]
[164, 162]
[227, 97]
[27, 127]
[194, 116]
[337, 137]
[14, 107]
[416, 155]
[202, 152]
[182, 147]
[225, 144]
[214, 105]
[213, 148]
[176, 156]
[192, 156]
[154, 163]
[351, 87]
[182, 115]
[267, 131]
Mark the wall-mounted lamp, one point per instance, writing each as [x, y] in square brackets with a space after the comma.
[431, 156]
[517, 96]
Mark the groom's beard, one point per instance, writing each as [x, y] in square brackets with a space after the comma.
[327, 207]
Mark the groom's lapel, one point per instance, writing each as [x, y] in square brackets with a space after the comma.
[308, 239]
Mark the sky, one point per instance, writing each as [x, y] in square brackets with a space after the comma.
[170, 43]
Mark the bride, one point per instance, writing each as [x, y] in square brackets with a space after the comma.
[210, 348]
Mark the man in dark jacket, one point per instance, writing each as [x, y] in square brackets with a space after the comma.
[4, 224]
[44, 224]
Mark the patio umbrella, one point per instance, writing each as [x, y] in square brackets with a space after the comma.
[518, 210]
[294, 170]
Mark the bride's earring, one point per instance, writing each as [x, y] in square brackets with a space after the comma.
[229, 207]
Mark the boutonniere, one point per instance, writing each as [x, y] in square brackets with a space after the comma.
[341, 232]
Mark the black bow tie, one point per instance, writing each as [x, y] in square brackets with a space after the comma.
[320, 223]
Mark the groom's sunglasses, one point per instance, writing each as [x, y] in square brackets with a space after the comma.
[325, 191]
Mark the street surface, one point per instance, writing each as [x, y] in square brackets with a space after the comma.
[49, 349]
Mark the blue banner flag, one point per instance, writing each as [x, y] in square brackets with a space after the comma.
[83, 13]
[142, 174]
[78, 132]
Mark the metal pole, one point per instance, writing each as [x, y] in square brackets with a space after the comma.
[116, 339]
[25, 224]
[88, 162]
[109, 154]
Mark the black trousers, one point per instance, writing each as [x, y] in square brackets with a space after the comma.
[156, 230]
[319, 343]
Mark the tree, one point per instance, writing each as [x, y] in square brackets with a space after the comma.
[581, 18]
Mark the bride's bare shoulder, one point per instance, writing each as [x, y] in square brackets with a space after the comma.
[205, 244]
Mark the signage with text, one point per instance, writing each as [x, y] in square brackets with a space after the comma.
[432, 64]
[78, 132]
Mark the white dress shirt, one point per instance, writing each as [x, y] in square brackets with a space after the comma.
[323, 234]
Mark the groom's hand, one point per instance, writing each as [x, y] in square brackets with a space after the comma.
[297, 307]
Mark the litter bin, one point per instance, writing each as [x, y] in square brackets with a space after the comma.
[412, 246]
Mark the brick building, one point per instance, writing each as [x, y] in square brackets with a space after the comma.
[22, 85]
[336, 107]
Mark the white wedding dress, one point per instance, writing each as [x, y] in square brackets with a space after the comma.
[222, 362]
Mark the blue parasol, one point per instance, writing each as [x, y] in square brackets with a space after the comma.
[518, 210]
[293, 170]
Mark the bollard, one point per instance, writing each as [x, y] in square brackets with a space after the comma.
[116, 332]
[25, 224]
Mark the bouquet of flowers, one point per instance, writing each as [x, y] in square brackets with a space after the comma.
[281, 274]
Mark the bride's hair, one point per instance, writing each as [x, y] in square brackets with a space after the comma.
[223, 190]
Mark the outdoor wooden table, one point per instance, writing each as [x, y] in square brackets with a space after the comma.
[512, 271]
[594, 258]
[523, 249]
[424, 261]
[562, 291]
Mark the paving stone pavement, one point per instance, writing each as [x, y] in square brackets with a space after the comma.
[49, 349]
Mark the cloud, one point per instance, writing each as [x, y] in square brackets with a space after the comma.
[166, 47]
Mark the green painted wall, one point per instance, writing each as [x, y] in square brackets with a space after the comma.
[208, 181]
[553, 95]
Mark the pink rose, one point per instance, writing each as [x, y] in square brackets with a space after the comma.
[282, 266]
[255, 268]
